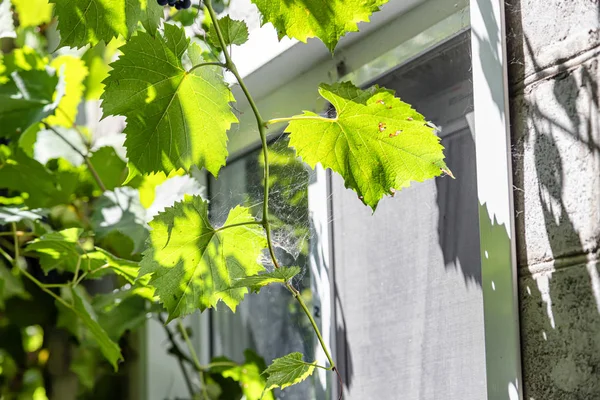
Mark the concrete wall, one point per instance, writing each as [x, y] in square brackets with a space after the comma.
[554, 50]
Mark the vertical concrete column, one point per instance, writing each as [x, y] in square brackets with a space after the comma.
[554, 49]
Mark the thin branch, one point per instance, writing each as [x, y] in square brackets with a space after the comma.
[179, 355]
[84, 156]
[263, 137]
[299, 117]
[238, 224]
[204, 64]
[189, 344]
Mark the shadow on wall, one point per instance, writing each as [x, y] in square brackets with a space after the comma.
[556, 158]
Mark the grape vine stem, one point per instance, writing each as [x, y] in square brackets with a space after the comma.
[262, 124]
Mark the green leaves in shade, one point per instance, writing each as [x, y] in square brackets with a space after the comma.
[21, 173]
[80, 310]
[27, 98]
[194, 265]
[377, 143]
[328, 20]
[288, 370]
[10, 285]
[175, 118]
[233, 31]
[280, 275]
[82, 22]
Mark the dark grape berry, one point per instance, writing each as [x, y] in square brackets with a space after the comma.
[172, 2]
[186, 4]
[179, 5]
[162, 2]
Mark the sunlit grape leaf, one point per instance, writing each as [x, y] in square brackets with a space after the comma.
[249, 374]
[175, 118]
[33, 12]
[377, 143]
[14, 214]
[10, 285]
[27, 98]
[120, 210]
[82, 22]
[73, 70]
[21, 173]
[280, 275]
[234, 32]
[22, 59]
[288, 370]
[7, 27]
[125, 268]
[83, 311]
[328, 20]
[193, 265]
[60, 250]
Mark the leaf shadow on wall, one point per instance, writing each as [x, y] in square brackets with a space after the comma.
[556, 146]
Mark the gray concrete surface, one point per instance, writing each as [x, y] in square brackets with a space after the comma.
[554, 50]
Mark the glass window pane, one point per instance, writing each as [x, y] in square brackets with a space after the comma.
[271, 322]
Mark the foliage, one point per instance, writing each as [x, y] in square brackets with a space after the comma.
[94, 240]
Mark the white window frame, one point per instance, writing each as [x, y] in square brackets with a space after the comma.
[285, 82]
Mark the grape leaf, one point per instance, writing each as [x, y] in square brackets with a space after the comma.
[27, 98]
[255, 282]
[327, 20]
[83, 22]
[85, 364]
[10, 285]
[175, 118]
[83, 312]
[193, 264]
[233, 31]
[14, 214]
[74, 71]
[377, 143]
[109, 166]
[7, 27]
[249, 374]
[33, 12]
[60, 250]
[21, 173]
[288, 370]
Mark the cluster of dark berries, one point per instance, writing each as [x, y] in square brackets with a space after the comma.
[179, 4]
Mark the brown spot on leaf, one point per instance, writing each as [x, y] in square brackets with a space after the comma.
[394, 134]
[381, 126]
[380, 101]
[409, 118]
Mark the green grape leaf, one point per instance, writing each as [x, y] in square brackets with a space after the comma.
[288, 370]
[327, 20]
[120, 210]
[151, 17]
[193, 265]
[33, 12]
[14, 214]
[86, 365]
[111, 169]
[249, 374]
[234, 32]
[27, 98]
[7, 27]
[81, 311]
[124, 314]
[21, 173]
[74, 71]
[377, 143]
[125, 268]
[255, 282]
[10, 285]
[83, 22]
[60, 250]
[175, 118]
